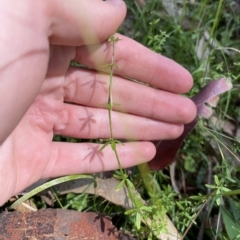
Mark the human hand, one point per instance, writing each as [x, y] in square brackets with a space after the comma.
[70, 101]
[29, 30]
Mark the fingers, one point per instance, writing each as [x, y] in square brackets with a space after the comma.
[70, 158]
[92, 123]
[83, 22]
[89, 88]
[136, 61]
[26, 53]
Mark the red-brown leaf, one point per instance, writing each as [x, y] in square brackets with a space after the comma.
[167, 149]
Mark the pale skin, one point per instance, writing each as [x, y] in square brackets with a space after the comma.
[42, 96]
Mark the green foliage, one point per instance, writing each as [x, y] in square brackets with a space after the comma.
[207, 156]
[78, 202]
[232, 226]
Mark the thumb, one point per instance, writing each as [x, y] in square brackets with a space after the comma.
[84, 22]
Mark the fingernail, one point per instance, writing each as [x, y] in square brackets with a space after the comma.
[116, 2]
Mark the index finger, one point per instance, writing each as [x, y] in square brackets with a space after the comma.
[74, 23]
[138, 62]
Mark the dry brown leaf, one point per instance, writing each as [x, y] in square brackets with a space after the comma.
[228, 127]
[26, 206]
[106, 188]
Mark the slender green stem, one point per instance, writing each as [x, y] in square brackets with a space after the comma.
[132, 192]
[47, 185]
[112, 140]
[216, 20]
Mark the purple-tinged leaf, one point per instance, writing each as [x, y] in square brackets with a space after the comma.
[210, 94]
[167, 149]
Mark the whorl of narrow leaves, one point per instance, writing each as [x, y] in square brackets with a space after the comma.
[167, 150]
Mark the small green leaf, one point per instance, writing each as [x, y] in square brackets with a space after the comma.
[231, 225]
[224, 189]
[120, 185]
[210, 186]
[235, 208]
[130, 184]
[138, 220]
[130, 211]
[113, 145]
[117, 176]
[105, 145]
[146, 208]
[230, 179]
[216, 180]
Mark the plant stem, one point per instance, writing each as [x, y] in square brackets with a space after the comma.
[132, 192]
[112, 141]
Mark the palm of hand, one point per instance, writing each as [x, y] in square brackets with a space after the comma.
[29, 149]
